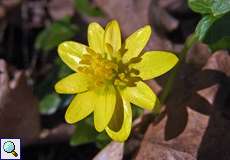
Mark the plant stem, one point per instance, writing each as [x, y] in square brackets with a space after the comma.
[190, 41]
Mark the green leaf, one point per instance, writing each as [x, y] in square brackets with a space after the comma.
[223, 43]
[220, 7]
[86, 8]
[49, 104]
[84, 133]
[203, 26]
[218, 35]
[63, 69]
[212, 7]
[102, 140]
[201, 6]
[56, 33]
[136, 111]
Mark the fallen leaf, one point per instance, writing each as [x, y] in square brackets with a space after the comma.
[113, 151]
[18, 107]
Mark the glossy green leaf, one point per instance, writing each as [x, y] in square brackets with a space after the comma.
[49, 104]
[203, 26]
[201, 6]
[218, 35]
[55, 34]
[211, 7]
[220, 7]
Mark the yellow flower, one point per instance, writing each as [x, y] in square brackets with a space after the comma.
[109, 76]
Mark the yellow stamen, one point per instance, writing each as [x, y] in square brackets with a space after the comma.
[99, 68]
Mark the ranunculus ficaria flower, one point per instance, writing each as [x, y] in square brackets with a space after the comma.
[110, 76]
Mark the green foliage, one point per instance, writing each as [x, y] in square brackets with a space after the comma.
[63, 69]
[49, 104]
[102, 139]
[86, 8]
[201, 6]
[55, 34]
[136, 111]
[50, 101]
[59, 71]
[218, 34]
[220, 7]
[213, 27]
[42, 88]
[213, 7]
[203, 26]
[85, 133]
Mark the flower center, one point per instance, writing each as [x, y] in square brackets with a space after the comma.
[126, 76]
[109, 70]
[101, 70]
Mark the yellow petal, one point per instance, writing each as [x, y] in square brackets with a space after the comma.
[71, 52]
[104, 104]
[118, 115]
[112, 36]
[140, 95]
[136, 42]
[80, 107]
[73, 83]
[155, 63]
[125, 130]
[96, 37]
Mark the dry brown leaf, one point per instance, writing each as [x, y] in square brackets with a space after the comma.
[161, 152]
[132, 15]
[19, 115]
[216, 138]
[207, 94]
[113, 151]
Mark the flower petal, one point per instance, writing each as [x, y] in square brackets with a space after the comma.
[80, 107]
[140, 95]
[104, 104]
[71, 52]
[73, 83]
[113, 36]
[116, 121]
[125, 130]
[96, 37]
[155, 63]
[136, 42]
